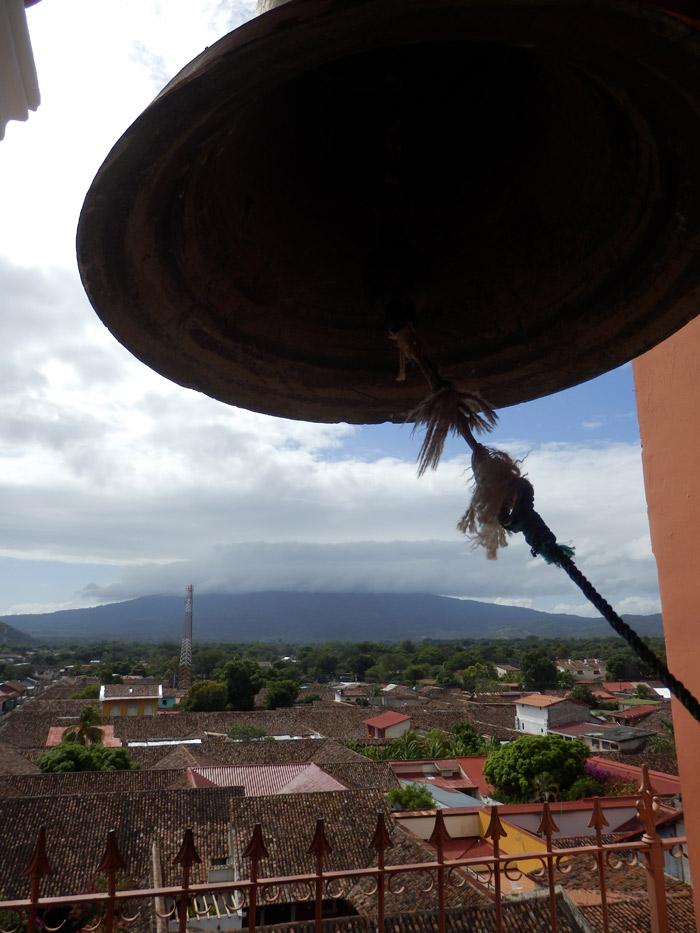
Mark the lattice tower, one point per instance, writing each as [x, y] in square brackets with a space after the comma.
[184, 676]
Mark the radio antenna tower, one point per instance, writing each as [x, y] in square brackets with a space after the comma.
[184, 675]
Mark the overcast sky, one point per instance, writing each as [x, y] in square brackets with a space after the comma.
[115, 483]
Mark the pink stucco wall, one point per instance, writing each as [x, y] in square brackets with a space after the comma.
[667, 381]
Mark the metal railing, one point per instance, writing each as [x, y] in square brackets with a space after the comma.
[170, 908]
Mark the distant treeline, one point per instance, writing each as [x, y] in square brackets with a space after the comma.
[463, 662]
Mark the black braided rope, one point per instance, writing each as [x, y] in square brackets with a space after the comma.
[542, 541]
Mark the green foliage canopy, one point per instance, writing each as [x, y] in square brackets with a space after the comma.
[243, 678]
[71, 756]
[411, 797]
[280, 693]
[86, 730]
[515, 769]
[463, 740]
[206, 696]
[582, 693]
[537, 671]
[89, 692]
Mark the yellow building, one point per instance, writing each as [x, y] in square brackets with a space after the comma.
[130, 700]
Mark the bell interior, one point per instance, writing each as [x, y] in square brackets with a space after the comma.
[518, 207]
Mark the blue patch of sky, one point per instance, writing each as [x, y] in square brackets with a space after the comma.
[596, 413]
[31, 582]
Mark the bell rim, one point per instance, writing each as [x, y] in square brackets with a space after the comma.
[270, 32]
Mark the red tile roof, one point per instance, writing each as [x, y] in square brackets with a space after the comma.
[539, 700]
[390, 718]
[473, 768]
[259, 780]
[109, 740]
[636, 712]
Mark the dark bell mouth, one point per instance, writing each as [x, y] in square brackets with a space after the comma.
[527, 200]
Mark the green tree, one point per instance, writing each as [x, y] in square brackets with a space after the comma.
[437, 744]
[537, 671]
[411, 797]
[446, 678]
[516, 769]
[412, 673]
[479, 677]
[430, 655]
[466, 740]
[582, 693]
[325, 667]
[206, 696]
[311, 697]
[665, 742]
[243, 679]
[458, 661]
[281, 693]
[623, 664]
[358, 662]
[85, 731]
[89, 692]
[72, 756]
[408, 746]
[205, 661]
[246, 733]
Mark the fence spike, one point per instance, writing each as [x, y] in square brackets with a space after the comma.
[495, 828]
[112, 860]
[547, 825]
[648, 803]
[439, 835]
[320, 844]
[187, 855]
[597, 820]
[256, 848]
[38, 866]
[380, 840]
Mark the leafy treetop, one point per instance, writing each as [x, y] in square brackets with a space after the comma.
[86, 731]
[411, 797]
[71, 756]
[521, 770]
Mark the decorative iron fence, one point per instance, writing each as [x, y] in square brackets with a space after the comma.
[236, 903]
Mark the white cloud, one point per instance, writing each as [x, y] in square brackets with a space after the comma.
[638, 605]
[577, 609]
[104, 462]
[513, 601]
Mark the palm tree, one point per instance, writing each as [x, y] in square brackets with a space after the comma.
[85, 731]
[545, 787]
[664, 742]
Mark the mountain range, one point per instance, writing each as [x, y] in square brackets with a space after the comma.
[314, 617]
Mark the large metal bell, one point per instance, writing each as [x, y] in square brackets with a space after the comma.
[518, 178]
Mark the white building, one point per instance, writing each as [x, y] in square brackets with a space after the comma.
[537, 714]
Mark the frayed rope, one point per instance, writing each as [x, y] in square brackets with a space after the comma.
[496, 476]
[449, 411]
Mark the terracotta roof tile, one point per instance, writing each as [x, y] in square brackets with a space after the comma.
[289, 823]
[87, 782]
[76, 833]
[389, 718]
[528, 915]
[539, 700]
[12, 762]
[632, 916]
[257, 780]
[130, 691]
